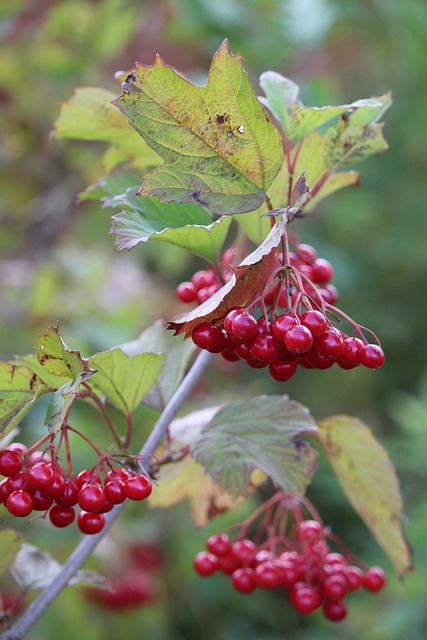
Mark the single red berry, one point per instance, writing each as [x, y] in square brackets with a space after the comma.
[335, 587]
[223, 343]
[40, 501]
[115, 491]
[40, 475]
[70, 494]
[4, 491]
[306, 253]
[334, 558]
[309, 530]
[354, 578]
[282, 371]
[255, 364]
[306, 599]
[334, 610]
[372, 356]
[374, 579]
[266, 575]
[61, 516]
[243, 580]
[264, 348]
[219, 544]
[19, 503]
[85, 476]
[353, 348]
[230, 355]
[244, 551]
[242, 349]
[330, 344]
[205, 563]
[10, 462]
[91, 497]
[244, 326]
[17, 446]
[231, 315]
[138, 487]
[228, 564]
[90, 523]
[19, 482]
[316, 321]
[205, 335]
[56, 489]
[323, 271]
[329, 293]
[186, 292]
[202, 279]
[118, 473]
[281, 326]
[298, 339]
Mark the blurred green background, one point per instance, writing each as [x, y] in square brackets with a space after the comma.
[58, 262]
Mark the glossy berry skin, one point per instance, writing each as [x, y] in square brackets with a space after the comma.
[264, 348]
[330, 344]
[372, 356]
[205, 563]
[138, 487]
[56, 490]
[266, 576]
[315, 321]
[10, 462]
[19, 503]
[306, 253]
[334, 610]
[91, 497]
[244, 326]
[90, 523]
[219, 544]
[61, 517]
[186, 292]
[374, 579]
[309, 530]
[243, 581]
[244, 550]
[115, 491]
[335, 587]
[353, 348]
[305, 599]
[298, 339]
[40, 475]
[70, 494]
[281, 326]
[40, 501]
[282, 371]
[323, 271]
[205, 335]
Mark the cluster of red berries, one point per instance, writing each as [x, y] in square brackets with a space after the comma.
[34, 482]
[308, 340]
[313, 576]
[206, 282]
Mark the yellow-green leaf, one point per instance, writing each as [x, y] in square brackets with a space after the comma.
[19, 389]
[54, 356]
[10, 543]
[369, 480]
[219, 147]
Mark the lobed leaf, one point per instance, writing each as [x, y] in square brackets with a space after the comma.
[55, 357]
[219, 148]
[259, 433]
[368, 478]
[19, 390]
[125, 379]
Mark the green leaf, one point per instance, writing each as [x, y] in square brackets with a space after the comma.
[281, 97]
[259, 433]
[89, 115]
[60, 404]
[368, 478]
[184, 225]
[10, 543]
[176, 358]
[31, 361]
[125, 379]
[19, 389]
[55, 357]
[219, 147]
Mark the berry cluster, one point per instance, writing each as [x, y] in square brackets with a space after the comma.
[36, 482]
[302, 564]
[206, 282]
[309, 340]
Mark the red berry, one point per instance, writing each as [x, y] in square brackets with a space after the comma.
[10, 462]
[244, 551]
[219, 544]
[202, 279]
[298, 339]
[282, 371]
[84, 477]
[40, 475]
[315, 321]
[186, 292]
[334, 610]
[354, 578]
[4, 491]
[206, 293]
[205, 335]
[335, 587]
[205, 563]
[244, 326]
[309, 529]
[40, 501]
[330, 344]
[56, 489]
[91, 497]
[115, 491]
[19, 503]
[61, 516]
[306, 599]
[372, 356]
[231, 315]
[90, 523]
[69, 495]
[118, 473]
[329, 293]
[264, 348]
[323, 271]
[281, 326]
[243, 580]
[353, 348]
[306, 253]
[334, 558]
[266, 575]
[230, 356]
[138, 487]
[19, 482]
[228, 564]
[374, 579]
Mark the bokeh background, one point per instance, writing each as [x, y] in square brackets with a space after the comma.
[58, 262]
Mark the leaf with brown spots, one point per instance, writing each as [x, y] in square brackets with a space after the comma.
[19, 389]
[54, 355]
[368, 478]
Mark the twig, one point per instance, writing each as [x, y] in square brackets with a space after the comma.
[85, 548]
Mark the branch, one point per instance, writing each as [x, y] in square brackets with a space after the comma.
[85, 548]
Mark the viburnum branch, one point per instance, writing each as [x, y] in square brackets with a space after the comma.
[86, 547]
